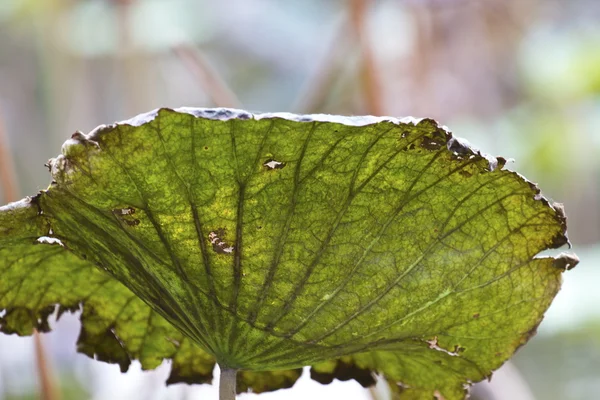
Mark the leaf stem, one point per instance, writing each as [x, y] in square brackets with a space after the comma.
[48, 389]
[227, 384]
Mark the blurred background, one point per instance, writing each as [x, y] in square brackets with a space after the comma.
[517, 78]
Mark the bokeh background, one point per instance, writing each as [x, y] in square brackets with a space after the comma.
[517, 78]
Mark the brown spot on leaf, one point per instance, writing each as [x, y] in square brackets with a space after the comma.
[566, 261]
[431, 143]
[218, 242]
[124, 215]
[476, 315]
[501, 162]
[124, 211]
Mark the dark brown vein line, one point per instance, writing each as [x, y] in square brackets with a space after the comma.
[284, 232]
[427, 365]
[333, 352]
[138, 268]
[167, 245]
[242, 185]
[321, 251]
[205, 256]
[191, 296]
[471, 320]
[145, 250]
[146, 210]
[12, 263]
[80, 169]
[21, 281]
[99, 285]
[300, 180]
[359, 262]
[135, 263]
[257, 164]
[325, 243]
[146, 331]
[415, 264]
[456, 228]
[237, 250]
[439, 298]
[363, 157]
[199, 229]
[197, 224]
[240, 216]
[377, 170]
[473, 268]
[503, 275]
[234, 150]
[300, 285]
[44, 291]
[124, 307]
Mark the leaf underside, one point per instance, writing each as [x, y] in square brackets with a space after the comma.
[269, 242]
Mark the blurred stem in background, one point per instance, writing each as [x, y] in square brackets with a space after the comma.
[8, 184]
[208, 78]
[359, 12]
[319, 85]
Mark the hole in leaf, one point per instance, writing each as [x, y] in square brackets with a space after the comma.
[273, 164]
[433, 344]
[122, 213]
[219, 245]
[50, 240]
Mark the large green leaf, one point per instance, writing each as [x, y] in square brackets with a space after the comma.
[275, 241]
